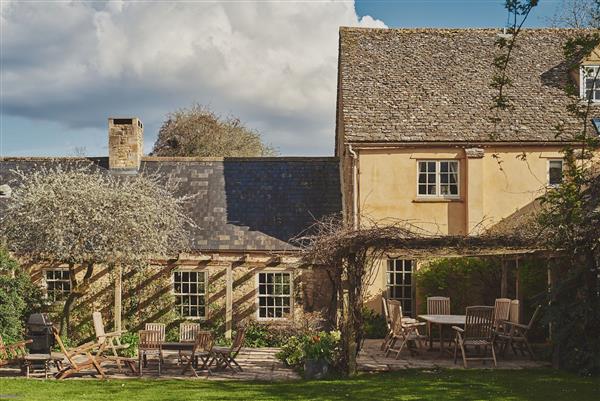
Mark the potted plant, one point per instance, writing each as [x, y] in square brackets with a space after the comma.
[319, 352]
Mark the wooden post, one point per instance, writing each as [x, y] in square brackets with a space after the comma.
[228, 302]
[504, 280]
[118, 288]
[518, 290]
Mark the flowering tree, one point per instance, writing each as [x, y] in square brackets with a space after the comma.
[86, 216]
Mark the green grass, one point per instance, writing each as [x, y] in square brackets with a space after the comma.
[538, 384]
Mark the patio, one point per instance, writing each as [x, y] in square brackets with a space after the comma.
[373, 359]
[257, 364]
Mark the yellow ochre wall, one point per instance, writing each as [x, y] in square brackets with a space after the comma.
[491, 187]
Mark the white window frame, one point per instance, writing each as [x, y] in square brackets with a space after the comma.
[562, 165]
[290, 295]
[178, 294]
[438, 181]
[582, 86]
[47, 292]
[388, 283]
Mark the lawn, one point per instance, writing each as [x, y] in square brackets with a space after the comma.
[543, 385]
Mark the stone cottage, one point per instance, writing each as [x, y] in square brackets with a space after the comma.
[243, 263]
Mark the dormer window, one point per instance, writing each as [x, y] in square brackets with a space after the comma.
[590, 83]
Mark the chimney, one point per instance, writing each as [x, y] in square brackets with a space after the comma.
[125, 144]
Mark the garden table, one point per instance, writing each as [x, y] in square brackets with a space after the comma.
[441, 321]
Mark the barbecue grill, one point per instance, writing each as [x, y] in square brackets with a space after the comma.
[39, 330]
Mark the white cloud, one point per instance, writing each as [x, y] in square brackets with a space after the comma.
[272, 64]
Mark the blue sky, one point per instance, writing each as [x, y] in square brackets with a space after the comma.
[67, 67]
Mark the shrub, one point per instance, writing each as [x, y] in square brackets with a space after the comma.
[467, 281]
[374, 324]
[19, 297]
[133, 340]
[276, 334]
[316, 346]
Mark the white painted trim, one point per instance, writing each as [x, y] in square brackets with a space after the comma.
[549, 161]
[206, 292]
[582, 88]
[438, 180]
[257, 299]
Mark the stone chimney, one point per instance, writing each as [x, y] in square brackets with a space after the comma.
[125, 144]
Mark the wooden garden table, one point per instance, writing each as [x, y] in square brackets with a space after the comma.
[441, 321]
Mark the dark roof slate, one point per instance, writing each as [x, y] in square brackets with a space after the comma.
[239, 204]
[428, 85]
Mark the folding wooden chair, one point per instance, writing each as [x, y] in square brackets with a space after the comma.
[501, 312]
[515, 335]
[388, 322]
[405, 335]
[150, 344]
[12, 353]
[478, 332]
[202, 351]
[80, 358]
[225, 357]
[113, 343]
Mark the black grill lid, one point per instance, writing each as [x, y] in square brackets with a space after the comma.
[40, 319]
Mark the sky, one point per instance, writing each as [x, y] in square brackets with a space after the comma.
[66, 66]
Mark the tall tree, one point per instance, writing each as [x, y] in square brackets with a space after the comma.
[198, 131]
[85, 217]
[577, 14]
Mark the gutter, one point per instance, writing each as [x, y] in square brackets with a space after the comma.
[354, 186]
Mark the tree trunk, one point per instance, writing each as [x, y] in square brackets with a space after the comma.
[77, 290]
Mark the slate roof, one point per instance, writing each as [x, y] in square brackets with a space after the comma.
[428, 85]
[251, 204]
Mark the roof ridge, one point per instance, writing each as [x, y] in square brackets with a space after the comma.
[237, 159]
[468, 29]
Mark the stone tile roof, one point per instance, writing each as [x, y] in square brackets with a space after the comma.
[252, 204]
[427, 85]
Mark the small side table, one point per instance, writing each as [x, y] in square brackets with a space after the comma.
[32, 360]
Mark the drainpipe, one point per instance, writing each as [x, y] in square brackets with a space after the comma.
[354, 187]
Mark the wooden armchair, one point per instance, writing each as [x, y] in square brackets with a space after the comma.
[388, 322]
[12, 353]
[159, 327]
[478, 332]
[150, 344]
[438, 305]
[515, 335]
[112, 342]
[405, 334]
[81, 358]
[501, 312]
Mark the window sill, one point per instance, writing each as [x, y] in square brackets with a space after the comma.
[437, 200]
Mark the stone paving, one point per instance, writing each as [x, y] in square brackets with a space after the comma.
[257, 363]
[372, 359]
[260, 364]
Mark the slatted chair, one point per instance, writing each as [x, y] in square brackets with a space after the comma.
[394, 309]
[501, 312]
[515, 335]
[81, 358]
[149, 344]
[224, 357]
[113, 343]
[388, 322]
[188, 332]
[12, 353]
[405, 334]
[437, 306]
[202, 351]
[160, 327]
[478, 332]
